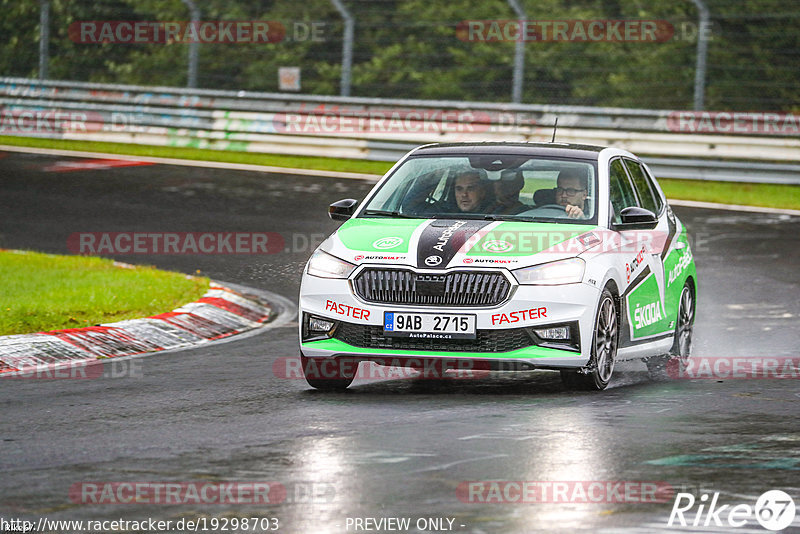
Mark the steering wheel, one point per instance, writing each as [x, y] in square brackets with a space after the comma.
[547, 210]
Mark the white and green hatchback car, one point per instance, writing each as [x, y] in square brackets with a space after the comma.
[501, 256]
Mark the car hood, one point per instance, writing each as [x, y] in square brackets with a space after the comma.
[448, 243]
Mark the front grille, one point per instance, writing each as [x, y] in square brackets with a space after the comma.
[459, 288]
[372, 337]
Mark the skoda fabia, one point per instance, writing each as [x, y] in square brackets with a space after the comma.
[501, 256]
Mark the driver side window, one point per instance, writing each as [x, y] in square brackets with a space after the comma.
[620, 190]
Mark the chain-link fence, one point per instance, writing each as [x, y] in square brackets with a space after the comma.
[626, 53]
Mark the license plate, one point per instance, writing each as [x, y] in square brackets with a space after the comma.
[429, 325]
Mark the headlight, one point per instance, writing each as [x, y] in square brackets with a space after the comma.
[558, 272]
[324, 265]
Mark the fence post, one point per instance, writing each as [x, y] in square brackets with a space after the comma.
[702, 51]
[347, 47]
[191, 75]
[519, 54]
[44, 38]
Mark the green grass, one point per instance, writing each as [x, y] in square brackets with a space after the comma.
[274, 160]
[769, 195]
[47, 292]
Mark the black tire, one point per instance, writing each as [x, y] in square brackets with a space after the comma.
[684, 326]
[597, 375]
[675, 361]
[339, 380]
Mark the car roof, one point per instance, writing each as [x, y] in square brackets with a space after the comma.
[563, 150]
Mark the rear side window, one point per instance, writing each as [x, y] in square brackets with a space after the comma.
[647, 195]
[620, 189]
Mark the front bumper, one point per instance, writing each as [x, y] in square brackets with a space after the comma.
[505, 337]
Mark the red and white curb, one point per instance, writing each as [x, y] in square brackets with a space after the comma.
[220, 313]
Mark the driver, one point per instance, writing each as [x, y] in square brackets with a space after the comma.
[571, 192]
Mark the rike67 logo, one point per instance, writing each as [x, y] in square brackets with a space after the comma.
[774, 510]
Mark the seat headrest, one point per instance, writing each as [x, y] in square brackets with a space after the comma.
[543, 197]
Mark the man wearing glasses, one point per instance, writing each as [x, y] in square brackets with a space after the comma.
[571, 192]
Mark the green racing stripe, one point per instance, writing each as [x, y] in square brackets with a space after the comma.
[378, 235]
[507, 239]
[528, 352]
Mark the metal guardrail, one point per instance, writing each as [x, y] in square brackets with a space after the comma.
[376, 129]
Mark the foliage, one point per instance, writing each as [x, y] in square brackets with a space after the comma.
[411, 49]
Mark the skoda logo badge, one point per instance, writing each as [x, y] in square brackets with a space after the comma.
[432, 261]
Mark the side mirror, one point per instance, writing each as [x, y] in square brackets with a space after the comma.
[342, 210]
[636, 218]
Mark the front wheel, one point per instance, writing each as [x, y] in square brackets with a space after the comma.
[329, 374]
[597, 374]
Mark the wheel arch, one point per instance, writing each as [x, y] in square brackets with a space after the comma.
[612, 287]
[692, 283]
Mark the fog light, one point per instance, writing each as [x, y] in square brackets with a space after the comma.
[556, 333]
[320, 326]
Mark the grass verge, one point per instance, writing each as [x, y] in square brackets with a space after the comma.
[767, 195]
[48, 292]
[250, 158]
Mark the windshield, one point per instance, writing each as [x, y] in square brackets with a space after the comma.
[489, 187]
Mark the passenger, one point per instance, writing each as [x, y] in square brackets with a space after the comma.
[506, 192]
[470, 191]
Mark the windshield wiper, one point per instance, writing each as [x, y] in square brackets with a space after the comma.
[490, 217]
[386, 213]
[520, 218]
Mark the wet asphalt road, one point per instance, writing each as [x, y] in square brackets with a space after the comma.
[387, 448]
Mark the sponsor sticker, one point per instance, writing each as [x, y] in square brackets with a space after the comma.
[588, 240]
[497, 245]
[677, 270]
[388, 242]
[347, 310]
[361, 257]
[489, 260]
[517, 316]
[631, 267]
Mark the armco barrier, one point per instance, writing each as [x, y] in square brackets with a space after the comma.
[377, 129]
